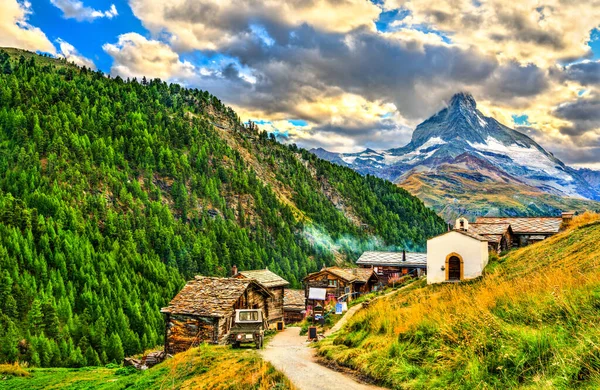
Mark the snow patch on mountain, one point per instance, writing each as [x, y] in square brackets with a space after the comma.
[526, 156]
[421, 153]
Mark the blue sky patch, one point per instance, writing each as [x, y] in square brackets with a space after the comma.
[521, 120]
[298, 122]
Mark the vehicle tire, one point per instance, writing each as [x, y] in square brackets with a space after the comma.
[259, 343]
[235, 345]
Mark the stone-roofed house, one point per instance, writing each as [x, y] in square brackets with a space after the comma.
[203, 311]
[294, 305]
[334, 282]
[528, 230]
[272, 282]
[500, 236]
[390, 266]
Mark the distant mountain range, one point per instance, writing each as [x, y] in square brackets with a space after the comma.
[461, 162]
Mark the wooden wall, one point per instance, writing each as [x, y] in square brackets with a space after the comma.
[323, 281]
[184, 331]
[275, 305]
[292, 316]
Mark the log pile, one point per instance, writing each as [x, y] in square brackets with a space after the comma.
[148, 361]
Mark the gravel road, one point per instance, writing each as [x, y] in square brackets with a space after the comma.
[291, 354]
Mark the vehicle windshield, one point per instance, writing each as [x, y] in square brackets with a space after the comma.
[248, 316]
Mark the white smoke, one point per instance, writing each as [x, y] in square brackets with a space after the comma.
[347, 244]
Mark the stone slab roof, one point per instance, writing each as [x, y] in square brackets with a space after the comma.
[265, 277]
[362, 274]
[210, 297]
[532, 225]
[335, 271]
[393, 259]
[293, 299]
[489, 228]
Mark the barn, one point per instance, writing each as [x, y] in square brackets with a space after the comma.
[203, 311]
[294, 306]
[275, 284]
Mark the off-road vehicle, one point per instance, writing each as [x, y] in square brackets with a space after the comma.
[249, 327]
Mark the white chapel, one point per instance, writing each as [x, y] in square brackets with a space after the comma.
[456, 255]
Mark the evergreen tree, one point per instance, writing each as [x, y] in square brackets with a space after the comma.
[114, 349]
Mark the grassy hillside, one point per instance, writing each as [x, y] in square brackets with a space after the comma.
[530, 322]
[453, 190]
[113, 192]
[206, 367]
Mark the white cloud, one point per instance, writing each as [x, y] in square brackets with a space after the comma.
[136, 56]
[211, 24]
[75, 9]
[15, 31]
[71, 54]
[525, 30]
[323, 61]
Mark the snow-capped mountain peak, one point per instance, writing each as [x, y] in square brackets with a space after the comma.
[461, 128]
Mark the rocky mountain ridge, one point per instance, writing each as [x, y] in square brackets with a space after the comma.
[460, 135]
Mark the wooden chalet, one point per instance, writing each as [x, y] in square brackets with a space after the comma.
[391, 266]
[499, 236]
[294, 306]
[334, 282]
[203, 311]
[523, 230]
[275, 284]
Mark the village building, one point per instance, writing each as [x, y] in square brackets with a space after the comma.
[333, 283]
[294, 306]
[272, 282]
[204, 310]
[500, 236]
[391, 266]
[525, 230]
[456, 255]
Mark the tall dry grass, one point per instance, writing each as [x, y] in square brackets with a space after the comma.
[221, 368]
[532, 317]
[14, 369]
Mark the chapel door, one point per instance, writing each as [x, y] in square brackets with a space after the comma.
[454, 268]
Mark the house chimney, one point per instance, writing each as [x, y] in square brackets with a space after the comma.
[403, 255]
[234, 270]
[567, 217]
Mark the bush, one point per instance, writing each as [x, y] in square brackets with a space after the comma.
[126, 370]
[12, 370]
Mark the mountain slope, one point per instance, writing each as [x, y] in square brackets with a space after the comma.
[460, 129]
[592, 177]
[468, 186]
[114, 192]
[530, 322]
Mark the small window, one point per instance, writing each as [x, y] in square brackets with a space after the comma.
[248, 316]
[332, 283]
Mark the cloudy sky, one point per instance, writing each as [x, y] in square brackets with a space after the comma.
[346, 74]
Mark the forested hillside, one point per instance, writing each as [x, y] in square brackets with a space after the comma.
[114, 192]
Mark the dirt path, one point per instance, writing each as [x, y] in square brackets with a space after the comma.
[349, 314]
[291, 354]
